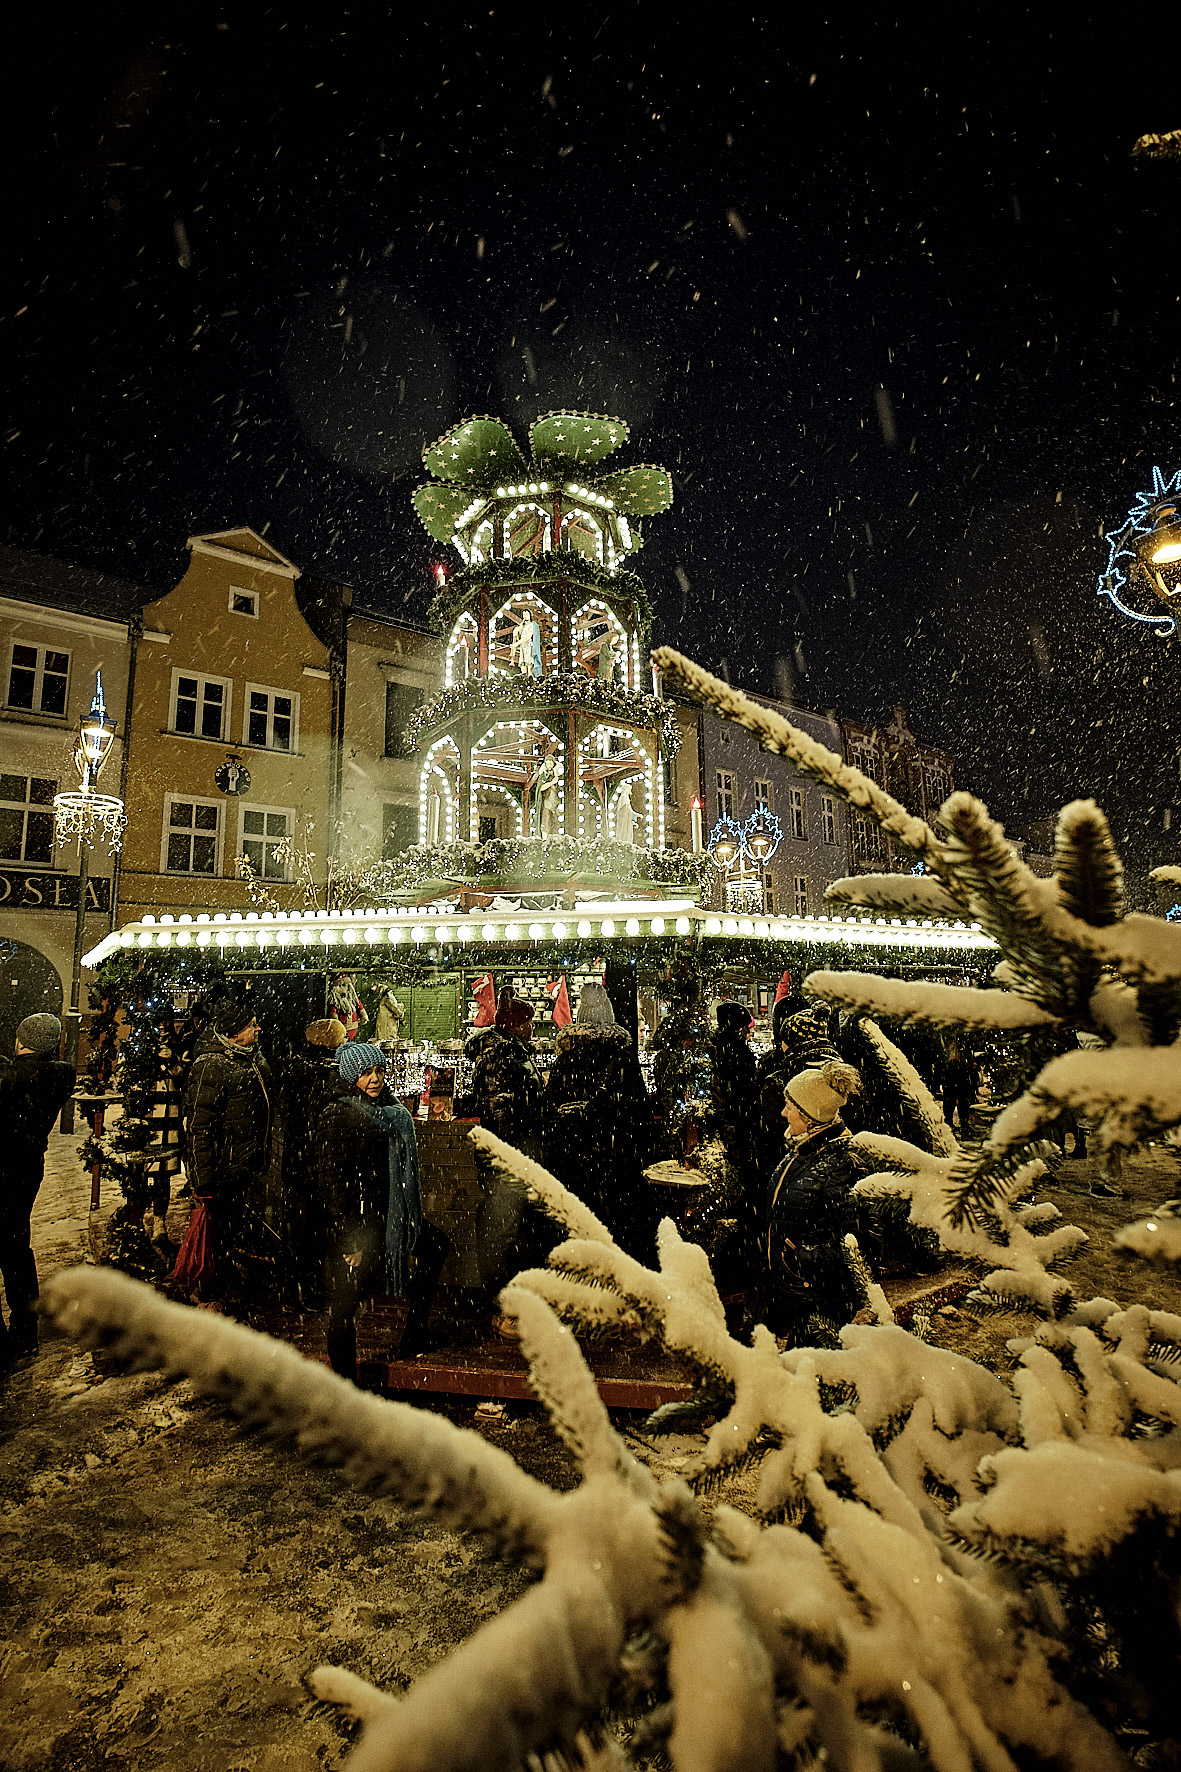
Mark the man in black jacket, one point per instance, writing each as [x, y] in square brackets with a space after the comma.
[34, 1086]
[227, 1117]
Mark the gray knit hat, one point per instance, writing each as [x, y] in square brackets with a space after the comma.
[594, 1007]
[40, 1033]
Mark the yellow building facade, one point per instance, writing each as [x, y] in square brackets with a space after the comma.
[231, 748]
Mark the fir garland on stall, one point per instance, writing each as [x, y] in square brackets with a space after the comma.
[508, 690]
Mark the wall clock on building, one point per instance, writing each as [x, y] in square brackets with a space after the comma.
[232, 777]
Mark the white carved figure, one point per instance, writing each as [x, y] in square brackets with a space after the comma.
[526, 649]
[625, 816]
[546, 790]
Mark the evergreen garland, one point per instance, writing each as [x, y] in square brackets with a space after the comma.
[621, 585]
[508, 690]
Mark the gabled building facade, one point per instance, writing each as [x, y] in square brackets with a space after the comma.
[234, 747]
[60, 625]
[920, 775]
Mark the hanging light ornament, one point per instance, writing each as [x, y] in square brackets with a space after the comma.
[1145, 555]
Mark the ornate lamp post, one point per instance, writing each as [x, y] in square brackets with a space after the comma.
[85, 814]
[740, 852]
[1144, 557]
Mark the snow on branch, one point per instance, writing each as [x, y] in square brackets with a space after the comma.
[538, 1184]
[899, 895]
[780, 737]
[921, 1004]
[1087, 868]
[912, 1092]
[387, 1448]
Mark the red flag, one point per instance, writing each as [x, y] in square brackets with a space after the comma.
[556, 991]
[484, 991]
[783, 989]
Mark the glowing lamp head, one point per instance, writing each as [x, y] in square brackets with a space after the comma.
[724, 852]
[440, 572]
[96, 734]
[1158, 552]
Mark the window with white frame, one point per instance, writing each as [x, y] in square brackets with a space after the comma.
[763, 795]
[828, 818]
[192, 836]
[799, 886]
[38, 677]
[867, 838]
[799, 813]
[26, 818]
[864, 756]
[261, 829]
[769, 893]
[200, 705]
[725, 793]
[243, 602]
[271, 719]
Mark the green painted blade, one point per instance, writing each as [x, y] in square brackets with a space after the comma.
[476, 454]
[579, 438]
[638, 492]
[439, 506]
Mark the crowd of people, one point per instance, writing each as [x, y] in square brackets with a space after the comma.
[350, 1222]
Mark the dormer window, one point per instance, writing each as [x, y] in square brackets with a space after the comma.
[243, 602]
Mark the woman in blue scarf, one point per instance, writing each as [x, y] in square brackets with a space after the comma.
[367, 1164]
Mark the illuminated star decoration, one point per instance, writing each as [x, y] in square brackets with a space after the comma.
[1121, 550]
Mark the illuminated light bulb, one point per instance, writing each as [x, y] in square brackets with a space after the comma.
[351, 938]
[488, 932]
[418, 933]
[466, 932]
[683, 925]
[746, 927]
[657, 925]
[149, 918]
[500, 492]
[584, 928]
[393, 936]
[372, 935]
[512, 932]
[607, 926]
[164, 939]
[559, 932]
[730, 926]
[263, 938]
[307, 937]
[535, 932]
[243, 940]
[203, 938]
[713, 925]
[1166, 551]
[327, 937]
[183, 939]
[533, 486]
[632, 926]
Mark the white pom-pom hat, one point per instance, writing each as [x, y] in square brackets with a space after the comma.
[821, 1094]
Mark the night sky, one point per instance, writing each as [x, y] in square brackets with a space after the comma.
[897, 308]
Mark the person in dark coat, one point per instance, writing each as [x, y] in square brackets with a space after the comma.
[227, 1117]
[960, 1077]
[800, 1041]
[811, 1208]
[312, 1079]
[35, 1085]
[368, 1177]
[506, 1097]
[595, 1113]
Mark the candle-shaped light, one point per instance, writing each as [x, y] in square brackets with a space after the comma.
[698, 837]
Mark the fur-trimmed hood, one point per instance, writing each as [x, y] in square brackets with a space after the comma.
[575, 1035]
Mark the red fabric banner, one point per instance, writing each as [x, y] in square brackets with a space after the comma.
[559, 997]
[484, 991]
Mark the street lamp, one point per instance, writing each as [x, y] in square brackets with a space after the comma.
[1145, 555]
[740, 852]
[85, 814]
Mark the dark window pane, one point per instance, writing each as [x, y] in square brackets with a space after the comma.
[182, 812]
[211, 715]
[488, 828]
[253, 853]
[252, 823]
[20, 688]
[12, 826]
[41, 792]
[274, 867]
[53, 695]
[276, 824]
[25, 655]
[205, 818]
[178, 855]
[401, 699]
[39, 837]
[58, 663]
[283, 704]
[203, 855]
[399, 829]
[12, 787]
[256, 732]
[281, 733]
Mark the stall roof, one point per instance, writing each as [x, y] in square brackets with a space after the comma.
[373, 929]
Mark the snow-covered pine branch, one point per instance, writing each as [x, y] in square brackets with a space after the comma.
[387, 1448]
[898, 895]
[780, 737]
[1087, 869]
[919, 1003]
[1169, 875]
[911, 1091]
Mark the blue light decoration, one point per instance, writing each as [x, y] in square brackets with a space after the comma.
[1173, 914]
[1125, 563]
[756, 840]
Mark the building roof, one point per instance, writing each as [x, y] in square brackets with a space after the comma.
[59, 584]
